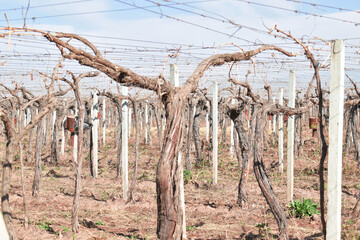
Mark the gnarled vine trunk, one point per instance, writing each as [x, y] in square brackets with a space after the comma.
[196, 132]
[263, 179]
[5, 189]
[170, 217]
[236, 116]
[38, 146]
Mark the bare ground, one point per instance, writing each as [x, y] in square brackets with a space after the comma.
[211, 210]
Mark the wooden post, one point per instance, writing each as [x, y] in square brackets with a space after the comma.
[95, 122]
[124, 142]
[281, 133]
[174, 79]
[75, 135]
[232, 134]
[215, 131]
[290, 138]
[337, 73]
[104, 121]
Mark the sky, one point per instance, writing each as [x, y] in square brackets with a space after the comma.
[140, 34]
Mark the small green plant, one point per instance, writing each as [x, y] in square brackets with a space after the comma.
[98, 223]
[187, 176]
[107, 147]
[57, 168]
[45, 226]
[209, 180]
[66, 229]
[42, 167]
[191, 228]
[52, 178]
[304, 208]
[105, 196]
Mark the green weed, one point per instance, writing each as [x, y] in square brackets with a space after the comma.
[304, 208]
[187, 176]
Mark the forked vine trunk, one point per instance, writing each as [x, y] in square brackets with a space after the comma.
[264, 181]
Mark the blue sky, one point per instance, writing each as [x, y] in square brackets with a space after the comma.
[134, 37]
[54, 15]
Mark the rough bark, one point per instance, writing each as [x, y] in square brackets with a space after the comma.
[199, 114]
[30, 143]
[38, 149]
[237, 149]
[189, 136]
[354, 118]
[210, 148]
[239, 124]
[119, 146]
[133, 182]
[348, 129]
[5, 189]
[26, 219]
[264, 181]
[223, 128]
[157, 115]
[54, 155]
[170, 219]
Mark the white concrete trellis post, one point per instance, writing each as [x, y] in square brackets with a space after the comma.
[337, 73]
[124, 142]
[290, 138]
[53, 123]
[3, 231]
[104, 121]
[215, 131]
[232, 134]
[95, 128]
[75, 135]
[174, 79]
[281, 132]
